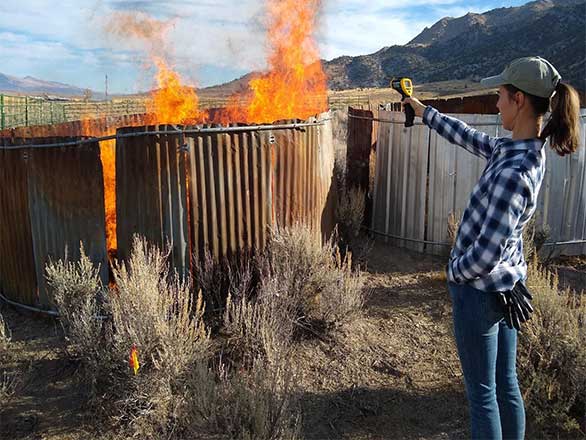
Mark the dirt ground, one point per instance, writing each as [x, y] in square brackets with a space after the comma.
[389, 373]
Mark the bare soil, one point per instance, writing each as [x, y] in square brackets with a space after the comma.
[390, 372]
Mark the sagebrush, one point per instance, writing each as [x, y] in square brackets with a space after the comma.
[185, 387]
[9, 378]
[319, 285]
[151, 310]
[552, 357]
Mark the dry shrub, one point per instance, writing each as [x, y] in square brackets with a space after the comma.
[311, 283]
[350, 210]
[248, 394]
[216, 279]
[453, 225]
[152, 310]
[8, 378]
[79, 296]
[182, 390]
[156, 312]
[254, 403]
[5, 335]
[533, 239]
[305, 288]
[552, 358]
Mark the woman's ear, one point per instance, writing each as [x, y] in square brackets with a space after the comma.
[519, 98]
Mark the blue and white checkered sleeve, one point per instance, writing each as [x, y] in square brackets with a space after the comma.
[460, 133]
[508, 198]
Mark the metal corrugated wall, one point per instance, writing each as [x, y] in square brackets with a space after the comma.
[50, 200]
[402, 158]
[150, 193]
[18, 279]
[220, 191]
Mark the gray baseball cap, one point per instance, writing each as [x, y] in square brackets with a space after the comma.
[533, 75]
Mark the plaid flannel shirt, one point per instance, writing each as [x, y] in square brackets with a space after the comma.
[488, 253]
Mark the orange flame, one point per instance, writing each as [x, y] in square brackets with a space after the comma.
[133, 359]
[295, 85]
[172, 102]
[93, 127]
[108, 157]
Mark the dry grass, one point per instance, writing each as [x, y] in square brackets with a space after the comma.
[350, 210]
[8, 379]
[319, 287]
[185, 387]
[552, 357]
[4, 335]
[151, 310]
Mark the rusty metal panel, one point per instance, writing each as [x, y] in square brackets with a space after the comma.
[66, 205]
[18, 279]
[229, 183]
[242, 183]
[151, 193]
[51, 200]
[360, 129]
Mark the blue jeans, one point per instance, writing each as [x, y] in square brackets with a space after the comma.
[488, 349]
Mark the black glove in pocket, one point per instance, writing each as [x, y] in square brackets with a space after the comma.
[516, 305]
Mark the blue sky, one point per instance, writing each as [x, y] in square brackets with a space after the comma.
[210, 42]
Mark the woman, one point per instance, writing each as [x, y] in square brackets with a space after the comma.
[487, 261]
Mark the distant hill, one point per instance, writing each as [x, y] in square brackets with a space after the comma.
[475, 46]
[34, 86]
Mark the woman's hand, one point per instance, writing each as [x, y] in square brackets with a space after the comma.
[416, 104]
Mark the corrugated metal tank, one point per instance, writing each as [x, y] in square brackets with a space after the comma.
[191, 189]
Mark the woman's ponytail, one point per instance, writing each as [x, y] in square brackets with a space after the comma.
[563, 127]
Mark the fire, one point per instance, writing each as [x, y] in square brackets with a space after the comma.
[108, 157]
[295, 85]
[91, 127]
[172, 102]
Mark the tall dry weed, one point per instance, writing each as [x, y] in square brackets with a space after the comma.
[9, 378]
[350, 211]
[151, 310]
[312, 282]
[552, 357]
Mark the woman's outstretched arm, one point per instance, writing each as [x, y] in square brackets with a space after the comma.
[454, 130]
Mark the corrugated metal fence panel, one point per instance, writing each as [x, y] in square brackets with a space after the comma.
[442, 178]
[562, 201]
[379, 210]
[453, 172]
[415, 146]
[325, 190]
[401, 173]
[151, 193]
[18, 279]
[359, 145]
[66, 204]
[229, 184]
[241, 184]
[51, 200]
